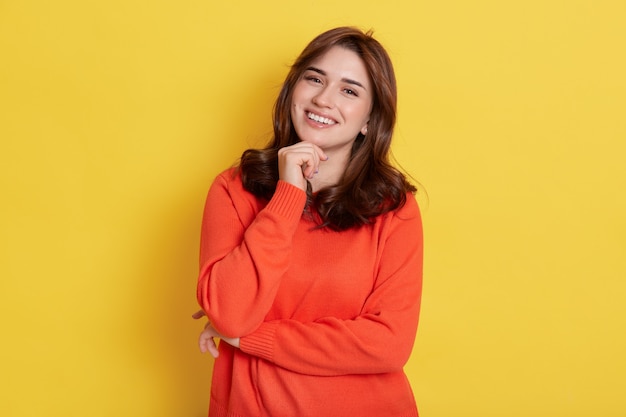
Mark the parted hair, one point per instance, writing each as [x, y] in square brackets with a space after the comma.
[370, 185]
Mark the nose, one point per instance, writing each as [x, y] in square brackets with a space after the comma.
[324, 98]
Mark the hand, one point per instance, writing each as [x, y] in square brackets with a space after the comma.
[206, 341]
[198, 314]
[299, 162]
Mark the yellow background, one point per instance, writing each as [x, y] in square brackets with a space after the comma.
[116, 115]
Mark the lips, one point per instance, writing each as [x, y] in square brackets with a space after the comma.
[320, 119]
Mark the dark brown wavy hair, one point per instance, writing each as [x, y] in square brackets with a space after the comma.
[370, 185]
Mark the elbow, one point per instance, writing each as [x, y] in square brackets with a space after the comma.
[234, 328]
[397, 352]
[229, 319]
[396, 357]
[401, 358]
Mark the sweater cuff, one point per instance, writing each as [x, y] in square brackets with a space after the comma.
[260, 343]
[288, 201]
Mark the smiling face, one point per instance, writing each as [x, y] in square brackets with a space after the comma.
[332, 101]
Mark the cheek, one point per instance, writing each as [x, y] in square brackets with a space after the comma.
[292, 112]
[297, 95]
[360, 114]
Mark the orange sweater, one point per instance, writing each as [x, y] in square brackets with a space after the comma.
[327, 319]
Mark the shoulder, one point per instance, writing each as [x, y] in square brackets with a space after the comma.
[410, 206]
[229, 182]
[229, 178]
[408, 211]
[404, 228]
[227, 191]
[403, 221]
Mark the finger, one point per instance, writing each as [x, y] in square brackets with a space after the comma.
[212, 347]
[320, 153]
[299, 162]
[309, 170]
[206, 343]
[305, 149]
[310, 163]
[292, 167]
[198, 314]
[317, 158]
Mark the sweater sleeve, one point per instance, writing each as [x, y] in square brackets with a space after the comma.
[378, 340]
[243, 255]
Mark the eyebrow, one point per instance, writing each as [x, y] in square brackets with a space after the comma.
[345, 80]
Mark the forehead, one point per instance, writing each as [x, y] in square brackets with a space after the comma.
[342, 63]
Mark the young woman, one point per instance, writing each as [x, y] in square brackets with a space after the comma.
[311, 253]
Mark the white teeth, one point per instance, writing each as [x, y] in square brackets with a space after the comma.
[320, 119]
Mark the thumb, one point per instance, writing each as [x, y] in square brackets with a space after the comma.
[198, 314]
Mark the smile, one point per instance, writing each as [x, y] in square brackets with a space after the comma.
[320, 119]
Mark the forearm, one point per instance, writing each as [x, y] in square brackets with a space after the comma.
[329, 346]
[242, 264]
[378, 337]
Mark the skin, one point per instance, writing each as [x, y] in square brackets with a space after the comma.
[206, 341]
[337, 88]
